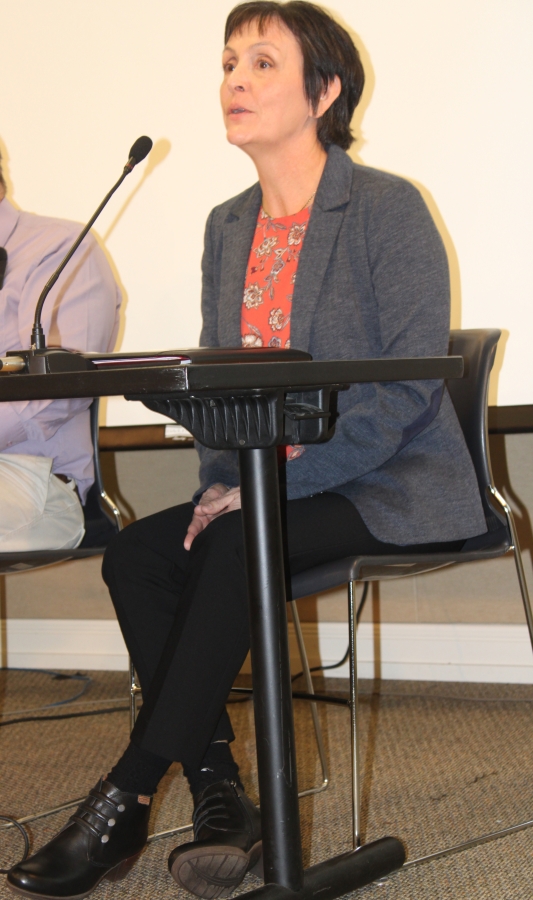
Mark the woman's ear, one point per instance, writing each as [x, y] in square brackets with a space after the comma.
[327, 97]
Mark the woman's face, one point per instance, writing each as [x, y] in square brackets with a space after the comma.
[262, 94]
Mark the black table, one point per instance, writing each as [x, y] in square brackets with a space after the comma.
[250, 401]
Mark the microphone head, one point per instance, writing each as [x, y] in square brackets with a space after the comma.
[140, 149]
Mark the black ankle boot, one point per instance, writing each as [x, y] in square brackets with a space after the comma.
[103, 839]
[227, 843]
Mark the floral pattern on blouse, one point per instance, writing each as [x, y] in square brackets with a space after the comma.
[269, 284]
[270, 278]
[253, 296]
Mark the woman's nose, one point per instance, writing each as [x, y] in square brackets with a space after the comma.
[236, 80]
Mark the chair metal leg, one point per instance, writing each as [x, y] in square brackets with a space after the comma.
[314, 710]
[512, 829]
[356, 793]
[518, 560]
[113, 509]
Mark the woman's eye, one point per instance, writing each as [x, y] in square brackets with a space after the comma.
[264, 64]
[228, 67]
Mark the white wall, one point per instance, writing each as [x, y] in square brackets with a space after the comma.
[448, 105]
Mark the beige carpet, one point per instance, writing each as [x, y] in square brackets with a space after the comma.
[442, 763]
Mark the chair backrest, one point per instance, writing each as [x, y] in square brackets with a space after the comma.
[98, 480]
[470, 399]
[100, 523]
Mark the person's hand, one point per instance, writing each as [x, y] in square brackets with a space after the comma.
[217, 500]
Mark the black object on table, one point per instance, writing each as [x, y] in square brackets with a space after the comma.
[250, 401]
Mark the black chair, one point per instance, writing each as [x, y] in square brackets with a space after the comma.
[102, 521]
[469, 396]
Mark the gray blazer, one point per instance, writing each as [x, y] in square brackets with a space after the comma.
[372, 282]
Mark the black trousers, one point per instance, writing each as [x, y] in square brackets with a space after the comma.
[184, 614]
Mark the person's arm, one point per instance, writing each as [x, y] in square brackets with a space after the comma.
[80, 313]
[410, 279]
[209, 332]
[214, 502]
[216, 466]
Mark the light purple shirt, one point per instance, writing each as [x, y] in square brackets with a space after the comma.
[80, 313]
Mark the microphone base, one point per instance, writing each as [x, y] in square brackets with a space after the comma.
[52, 360]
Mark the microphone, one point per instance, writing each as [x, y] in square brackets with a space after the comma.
[140, 149]
[3, 265]
[138, 152]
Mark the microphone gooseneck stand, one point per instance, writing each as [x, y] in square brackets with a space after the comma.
[39, 359]
[272, 397]
[139, 150]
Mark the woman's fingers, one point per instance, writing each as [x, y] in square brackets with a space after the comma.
[225, 503]
[216, 506]
[197, 524]
[212, 493]
[213, 504]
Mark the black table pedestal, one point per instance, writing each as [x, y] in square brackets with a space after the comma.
[274, 727]
[282, 854]
[271, 397]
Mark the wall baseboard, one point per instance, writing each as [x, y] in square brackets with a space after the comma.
[418, 652]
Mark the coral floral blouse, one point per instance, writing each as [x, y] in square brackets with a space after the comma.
[270, 278]
[269, 283]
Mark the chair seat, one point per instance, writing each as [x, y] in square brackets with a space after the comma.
[379, 568]
[37, 559]
[469, 397]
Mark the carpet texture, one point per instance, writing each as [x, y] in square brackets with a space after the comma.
[441, 763]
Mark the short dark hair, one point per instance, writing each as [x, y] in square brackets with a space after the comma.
[327, 50]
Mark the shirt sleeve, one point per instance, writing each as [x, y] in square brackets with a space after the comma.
[80, 313]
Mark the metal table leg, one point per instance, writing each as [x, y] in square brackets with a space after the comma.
[278, 788]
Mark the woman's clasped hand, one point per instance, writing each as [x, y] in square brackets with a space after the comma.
[214, 502]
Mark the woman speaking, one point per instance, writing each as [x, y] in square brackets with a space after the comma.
[321, 255]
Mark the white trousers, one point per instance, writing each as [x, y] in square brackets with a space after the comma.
[37, 510]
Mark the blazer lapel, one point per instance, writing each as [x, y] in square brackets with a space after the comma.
[237, 236]
[328, 211]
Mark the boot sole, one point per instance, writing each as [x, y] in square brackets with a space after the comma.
[117, 873]
[212, 872]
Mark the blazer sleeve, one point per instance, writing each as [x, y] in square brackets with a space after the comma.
[216, 466]
[209, 332]
[411, 297]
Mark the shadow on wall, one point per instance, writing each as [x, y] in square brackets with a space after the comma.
[453, 260]
[357, 130]
[364, 103]
[158, 154]
[497, 367]
[5, 170]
